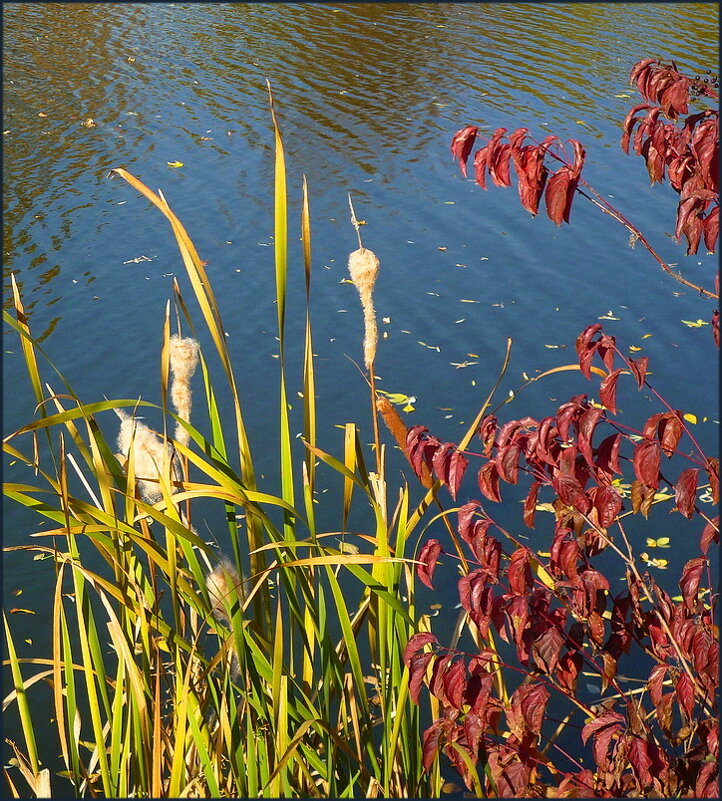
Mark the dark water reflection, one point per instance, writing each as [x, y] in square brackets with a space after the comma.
[369, 95]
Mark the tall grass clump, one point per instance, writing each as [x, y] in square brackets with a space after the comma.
[177, 669]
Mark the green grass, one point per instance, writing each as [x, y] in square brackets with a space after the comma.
[143, 703]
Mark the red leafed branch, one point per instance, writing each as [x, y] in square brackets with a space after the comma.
[687, 153]
[677, 145]
[562, 617]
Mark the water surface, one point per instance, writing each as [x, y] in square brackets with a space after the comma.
[368, 96]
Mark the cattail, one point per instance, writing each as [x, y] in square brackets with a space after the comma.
[363, 265]
[150, 454]
[398, 430]
[225, 587]
[183, 353]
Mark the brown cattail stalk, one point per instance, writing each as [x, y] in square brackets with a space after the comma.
[398, 430]
[183, 353]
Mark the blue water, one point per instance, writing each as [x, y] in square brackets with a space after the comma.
[368, 98]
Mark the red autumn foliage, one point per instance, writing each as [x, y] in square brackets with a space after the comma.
[553, 603]
[675, 144]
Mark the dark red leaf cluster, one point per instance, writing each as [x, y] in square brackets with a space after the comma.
[564, 616]
[534, 180]
[444, 460]
[686, 150]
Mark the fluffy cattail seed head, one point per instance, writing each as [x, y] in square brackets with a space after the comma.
[183, 357]
[225, 587]
[150, 454]
[363, 266]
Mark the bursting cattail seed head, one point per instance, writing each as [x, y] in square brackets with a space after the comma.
[363, 266]
[224, 586]
[183, 357]
[150, 454]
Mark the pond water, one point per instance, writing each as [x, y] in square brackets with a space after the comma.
[368, 97]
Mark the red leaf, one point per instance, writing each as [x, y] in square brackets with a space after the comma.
[455, 683]
[519, 572]
[603, 721]
[646, 460]
[639, 69]
[546, 438]
[685, 491]
[586, 349]
[639, 369]
[507, 461]
[441, 461]
[430, 747]
[417, 674]
[669, 431]
[569, 555]
[587, 423]
[608, 390]
[530, 504]
[416, 643]
[415, 444]
[481, 158]
[639, 758]
[489, 481]
[629, 122]
[571, 493]
[689, 583]
[466, 516]
[429, 556]
[499, 165]
[707, 783]
[491, 556]
[546, 649]
[555, 195]
[462, 144]
[437, 675]
[674, 98]
[608, 504]
[711, 230]
[450, 465]
[532, 699]
[457, 468]
[607, 349]
[579, 156]
[608, 456]
[685, 695]
[487, 433]
[569, 667]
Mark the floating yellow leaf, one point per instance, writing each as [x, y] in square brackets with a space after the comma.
[690, 418]
[634, 348]
[651, 562]
[26, 611]
[696, 324]
[622, 95]
[174, 163]
[662, 542]
[646, 336]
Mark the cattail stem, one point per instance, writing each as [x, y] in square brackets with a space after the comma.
[375, 418]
